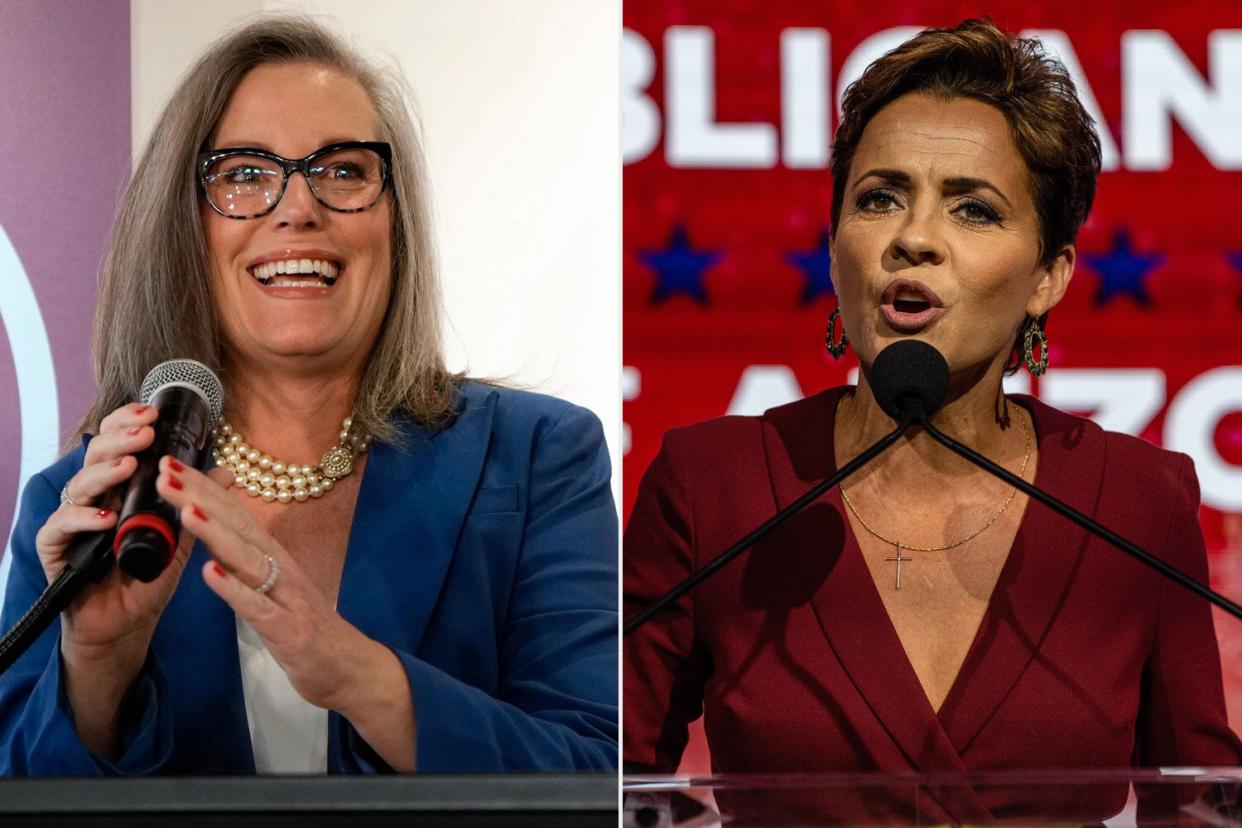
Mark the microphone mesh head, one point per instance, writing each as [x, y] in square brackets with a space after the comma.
[910, 377]
[186, 373]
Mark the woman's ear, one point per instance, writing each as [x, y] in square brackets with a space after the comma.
[1054, 280]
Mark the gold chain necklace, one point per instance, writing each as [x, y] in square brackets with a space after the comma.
[900, 546]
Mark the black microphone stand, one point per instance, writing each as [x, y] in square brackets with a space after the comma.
[767, 526]
[1079, 518]
[88, 559]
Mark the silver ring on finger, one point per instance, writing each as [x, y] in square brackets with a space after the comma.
[65, 499]
[273, 572]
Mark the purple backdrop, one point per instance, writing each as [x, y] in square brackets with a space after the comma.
[64, 157]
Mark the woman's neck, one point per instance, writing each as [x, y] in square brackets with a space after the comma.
[975, 414]
[293, 418]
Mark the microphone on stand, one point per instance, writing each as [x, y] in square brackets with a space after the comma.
[909, 379]
[912, 384]
[920, 356]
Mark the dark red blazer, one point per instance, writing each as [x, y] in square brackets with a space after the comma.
[1084, 657]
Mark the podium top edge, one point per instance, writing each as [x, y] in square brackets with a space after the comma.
[463, 793]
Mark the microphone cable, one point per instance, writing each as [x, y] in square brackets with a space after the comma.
[87, 561]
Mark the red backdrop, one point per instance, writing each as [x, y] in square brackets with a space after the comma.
[728, 107]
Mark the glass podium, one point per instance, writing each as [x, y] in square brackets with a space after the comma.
[1114, 798]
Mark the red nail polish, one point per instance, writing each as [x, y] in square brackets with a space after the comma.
[175, 466]
[175, 483]
[104, 513]
[140, 409]
[198, 513]
[219, 569]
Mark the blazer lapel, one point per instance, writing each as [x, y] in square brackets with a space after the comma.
[1036, 576]
[410, 509]
[798, 440]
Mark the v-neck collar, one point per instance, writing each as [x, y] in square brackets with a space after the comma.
[1036, 577]
[798, 442]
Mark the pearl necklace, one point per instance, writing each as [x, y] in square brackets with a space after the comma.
[262, 475]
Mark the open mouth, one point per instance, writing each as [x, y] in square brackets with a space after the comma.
[910, 296]
[908, 304]
[297, 273]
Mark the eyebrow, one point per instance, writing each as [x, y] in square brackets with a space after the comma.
[956, 184]
[266, 147]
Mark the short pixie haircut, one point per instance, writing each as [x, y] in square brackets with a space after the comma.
[1053, 132]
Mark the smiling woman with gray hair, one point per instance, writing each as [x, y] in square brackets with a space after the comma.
[436, 594]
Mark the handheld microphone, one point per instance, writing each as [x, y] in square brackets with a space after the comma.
[190, 400]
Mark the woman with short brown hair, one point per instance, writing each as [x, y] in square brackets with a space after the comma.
[923, 616]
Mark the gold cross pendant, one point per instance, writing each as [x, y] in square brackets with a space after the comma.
[899, 561]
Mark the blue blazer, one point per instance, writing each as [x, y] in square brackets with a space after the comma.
[484, 555]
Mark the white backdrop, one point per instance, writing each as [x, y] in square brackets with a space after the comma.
[521, 127]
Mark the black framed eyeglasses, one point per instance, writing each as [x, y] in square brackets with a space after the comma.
[245, 183]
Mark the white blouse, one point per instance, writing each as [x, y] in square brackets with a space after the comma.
[288, 733]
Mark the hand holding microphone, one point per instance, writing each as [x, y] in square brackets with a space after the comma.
[106, 630]
[88, 501]
[181, 399]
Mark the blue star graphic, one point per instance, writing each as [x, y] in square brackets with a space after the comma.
[1122, 271]
[679, 268]
[814, 264]
[1235, 260]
